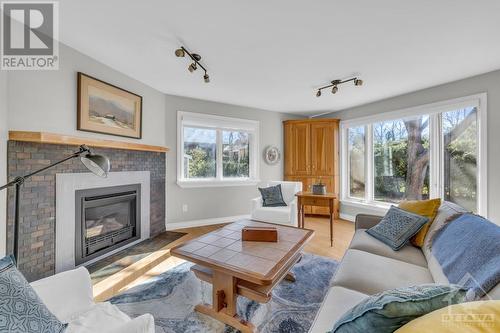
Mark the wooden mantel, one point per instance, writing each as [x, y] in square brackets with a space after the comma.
[51, 138]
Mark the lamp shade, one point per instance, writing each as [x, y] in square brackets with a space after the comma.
[97, 164]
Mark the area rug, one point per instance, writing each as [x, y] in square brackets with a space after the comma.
[171, 297]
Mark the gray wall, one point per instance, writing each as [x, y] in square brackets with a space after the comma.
[46, 101]
[215, 202]
[489, 83]
[3, 158]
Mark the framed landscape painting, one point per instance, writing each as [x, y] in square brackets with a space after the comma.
[105, 108]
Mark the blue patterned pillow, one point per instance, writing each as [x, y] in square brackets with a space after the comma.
[272, 196]
[389, 310]
[21, 310]
[397, 227]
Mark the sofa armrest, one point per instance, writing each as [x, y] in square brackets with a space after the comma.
[366, 221]
[67, 293]
[141, 324]
[256, 203]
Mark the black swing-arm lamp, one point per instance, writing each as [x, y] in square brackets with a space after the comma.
[97, 164]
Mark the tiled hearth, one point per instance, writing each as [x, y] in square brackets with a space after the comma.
[38, 196]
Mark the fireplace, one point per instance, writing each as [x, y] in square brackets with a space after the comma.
[106, 219]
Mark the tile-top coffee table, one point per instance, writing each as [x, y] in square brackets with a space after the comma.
[235, 267]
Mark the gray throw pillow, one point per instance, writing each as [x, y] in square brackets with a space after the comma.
[391, 309]
[272, 196]
[21, 310]
[397, 227]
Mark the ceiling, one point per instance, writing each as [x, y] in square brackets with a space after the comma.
[273, 54]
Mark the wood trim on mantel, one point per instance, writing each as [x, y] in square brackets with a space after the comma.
[61, 139]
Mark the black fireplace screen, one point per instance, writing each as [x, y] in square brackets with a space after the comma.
[106, 219]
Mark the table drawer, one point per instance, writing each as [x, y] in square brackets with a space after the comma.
[316, 201]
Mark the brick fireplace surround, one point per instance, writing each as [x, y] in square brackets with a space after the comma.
[38, 196]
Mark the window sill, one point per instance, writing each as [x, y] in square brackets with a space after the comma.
[216, 183]
[375, 206]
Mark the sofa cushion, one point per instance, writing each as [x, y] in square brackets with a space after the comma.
[73, 287]
[391, 309]
[102, 317]
[397, 227]
[21, 309]
[272, 214]
[427, 208]
[364, 242]
[338, 301]
[271, 196]
[370, 273]
[445, 320]
[288, 189]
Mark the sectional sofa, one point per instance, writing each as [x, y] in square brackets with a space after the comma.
[369, 267]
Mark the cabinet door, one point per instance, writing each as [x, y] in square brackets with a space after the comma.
[301, 149]
[322, 155]
[289, 149]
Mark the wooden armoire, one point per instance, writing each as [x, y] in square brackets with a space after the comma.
[312, 155]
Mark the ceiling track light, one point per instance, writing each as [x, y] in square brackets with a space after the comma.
[335, 85]
[182, 52]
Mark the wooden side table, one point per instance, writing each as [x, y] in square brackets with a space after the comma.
[322, 200]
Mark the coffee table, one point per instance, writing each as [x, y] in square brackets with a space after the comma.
[235, 267]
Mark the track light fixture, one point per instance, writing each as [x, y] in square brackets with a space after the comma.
[335, 85]
[181, 53]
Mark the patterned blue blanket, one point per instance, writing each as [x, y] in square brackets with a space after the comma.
[468, 250]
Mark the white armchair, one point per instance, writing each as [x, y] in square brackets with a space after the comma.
[68, 296]
[281, 215]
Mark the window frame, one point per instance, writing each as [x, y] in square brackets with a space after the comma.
[434, 111]
[219, 124]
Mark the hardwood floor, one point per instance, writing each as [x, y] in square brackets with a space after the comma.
[320, 244]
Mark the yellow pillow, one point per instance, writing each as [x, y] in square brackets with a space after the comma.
[427, 208]
[473, 317]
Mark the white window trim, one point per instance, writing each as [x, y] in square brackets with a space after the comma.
[433, 110]
[220, 123]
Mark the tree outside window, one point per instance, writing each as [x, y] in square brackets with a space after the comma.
[401, 159]
[200, 151]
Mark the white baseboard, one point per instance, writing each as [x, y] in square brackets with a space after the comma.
[347, 217]
[203, 222]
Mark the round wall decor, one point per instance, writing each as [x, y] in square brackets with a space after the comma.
[272, 155]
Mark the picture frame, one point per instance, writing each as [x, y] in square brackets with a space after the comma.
[108, 109]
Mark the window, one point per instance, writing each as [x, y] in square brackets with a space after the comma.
[235, 154]
[356, 142]
[200, 145]
[436, 150]
[216, 151]
[401, 159]
[460, 157]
